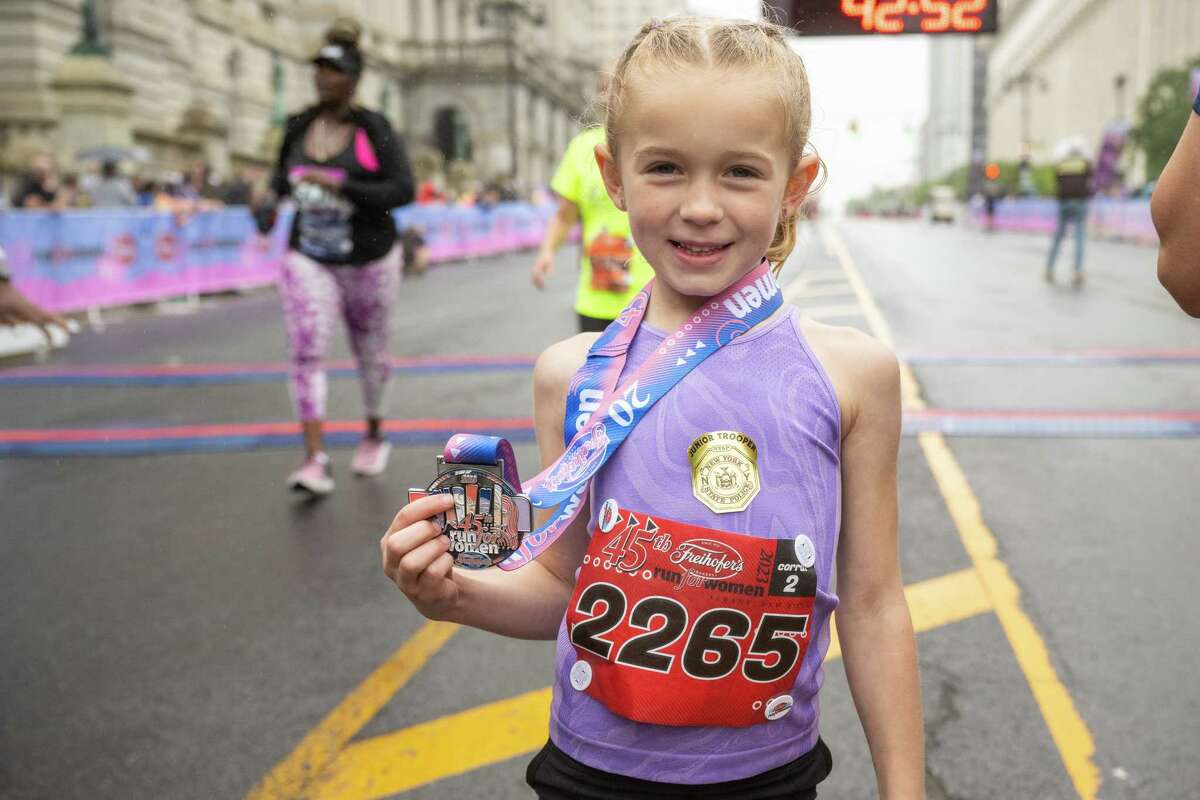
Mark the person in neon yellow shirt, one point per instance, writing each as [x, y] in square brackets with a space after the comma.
[612, 271]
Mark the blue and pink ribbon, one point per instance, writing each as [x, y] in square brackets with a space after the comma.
[600, 415]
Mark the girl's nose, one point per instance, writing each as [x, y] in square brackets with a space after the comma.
[700, 206]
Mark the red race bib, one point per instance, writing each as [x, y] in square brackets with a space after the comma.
[676, 624]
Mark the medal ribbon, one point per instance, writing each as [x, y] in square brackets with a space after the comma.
[473, 448]
[594, 395]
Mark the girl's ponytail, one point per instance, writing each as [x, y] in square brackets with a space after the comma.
[784, 240]
[783, 243]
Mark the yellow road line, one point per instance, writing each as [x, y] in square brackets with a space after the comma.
[910, 389]
[451, 745]
[459, 743]
[937, 602]
[292, 776]
[1067, 728]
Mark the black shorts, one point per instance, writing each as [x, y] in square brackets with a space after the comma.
[592, 324]
[554, 775]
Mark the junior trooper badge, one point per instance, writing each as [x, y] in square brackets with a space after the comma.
[724, 470]
[489, 517]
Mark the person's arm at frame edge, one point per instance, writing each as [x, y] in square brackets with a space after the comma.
[16, 308]
[1175, 209]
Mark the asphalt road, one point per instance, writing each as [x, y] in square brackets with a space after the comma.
[177, 625]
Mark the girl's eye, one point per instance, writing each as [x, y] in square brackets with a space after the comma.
[663, 169]
[743, 172]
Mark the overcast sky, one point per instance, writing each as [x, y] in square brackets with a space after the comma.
[882, 84]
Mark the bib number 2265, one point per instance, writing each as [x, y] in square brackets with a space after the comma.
[715, 643]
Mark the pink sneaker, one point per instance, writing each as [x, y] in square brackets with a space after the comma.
[371, 457]
[314, 476]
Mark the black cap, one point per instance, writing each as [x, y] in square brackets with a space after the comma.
[343, 58]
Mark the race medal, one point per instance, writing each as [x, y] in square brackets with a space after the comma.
[724, 470]
[489, 518]
[676, 624]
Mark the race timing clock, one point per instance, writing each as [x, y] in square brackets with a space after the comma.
[886, 17]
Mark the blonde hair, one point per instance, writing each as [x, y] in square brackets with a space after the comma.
[721, 43]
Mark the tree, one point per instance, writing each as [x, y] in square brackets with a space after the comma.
[1162, 114]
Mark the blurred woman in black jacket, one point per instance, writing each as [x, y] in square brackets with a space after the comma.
[345, 170]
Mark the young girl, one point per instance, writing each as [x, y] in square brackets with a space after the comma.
[691, 605]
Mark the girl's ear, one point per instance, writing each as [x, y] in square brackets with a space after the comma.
[611, 175]
[801, 179]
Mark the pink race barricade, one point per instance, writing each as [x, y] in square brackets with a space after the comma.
[1125, 220]
[76, 260]
[452, 233]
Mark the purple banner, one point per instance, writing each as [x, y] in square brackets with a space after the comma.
[1111, 145]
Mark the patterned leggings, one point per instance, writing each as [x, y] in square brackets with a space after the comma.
[312, 295]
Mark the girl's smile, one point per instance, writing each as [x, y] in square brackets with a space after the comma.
[699, 254]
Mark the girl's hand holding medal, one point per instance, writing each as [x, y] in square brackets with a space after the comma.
[416, 556]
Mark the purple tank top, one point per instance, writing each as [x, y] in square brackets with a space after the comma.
[768, 385]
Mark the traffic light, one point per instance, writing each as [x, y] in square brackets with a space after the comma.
[992, 171]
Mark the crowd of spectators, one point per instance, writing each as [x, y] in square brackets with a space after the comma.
[111, 184]
[479, 195]
[475, 194]
[117, 184]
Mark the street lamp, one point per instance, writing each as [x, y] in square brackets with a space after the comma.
[278, 112]
[1119, 82]
[504, 14]
[1026, 81]
[233, 69]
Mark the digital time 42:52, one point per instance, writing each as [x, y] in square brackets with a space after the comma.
[933, 16]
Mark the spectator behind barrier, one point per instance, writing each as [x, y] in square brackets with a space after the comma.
[39, 187]
[112, 189]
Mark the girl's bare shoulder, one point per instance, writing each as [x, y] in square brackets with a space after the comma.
[559, 362]
[863, 370]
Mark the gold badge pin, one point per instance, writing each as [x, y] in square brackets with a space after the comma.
[724, 470]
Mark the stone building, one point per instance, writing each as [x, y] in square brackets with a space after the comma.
[616, 21]
[1064, 68]
[186, 80]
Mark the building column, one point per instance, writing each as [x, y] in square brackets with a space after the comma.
[95, 105]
